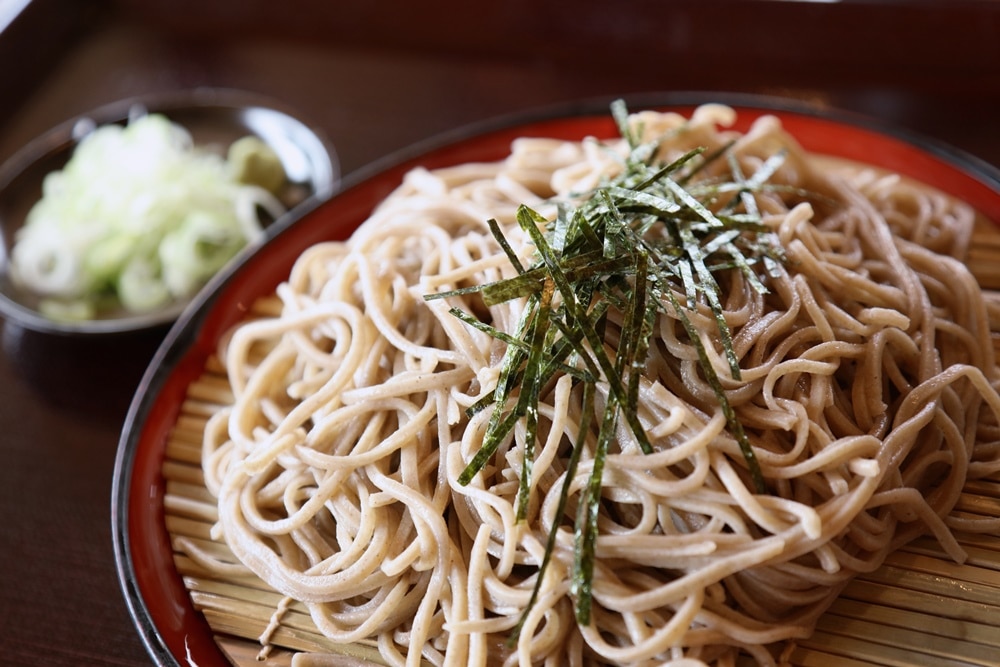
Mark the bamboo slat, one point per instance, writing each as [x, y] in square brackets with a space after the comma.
[919, 608]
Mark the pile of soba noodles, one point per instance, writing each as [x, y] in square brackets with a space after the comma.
[866, 390]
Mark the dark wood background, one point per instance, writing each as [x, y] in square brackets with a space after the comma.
[374, 77]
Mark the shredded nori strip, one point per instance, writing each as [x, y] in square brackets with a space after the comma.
[599, 254]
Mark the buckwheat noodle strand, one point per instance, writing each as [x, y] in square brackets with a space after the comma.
[868, 392]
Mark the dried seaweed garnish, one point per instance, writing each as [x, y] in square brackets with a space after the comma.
[650, 241]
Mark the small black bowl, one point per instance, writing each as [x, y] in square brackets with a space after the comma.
[214, 118]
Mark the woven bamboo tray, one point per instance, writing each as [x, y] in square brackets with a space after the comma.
[919, 608]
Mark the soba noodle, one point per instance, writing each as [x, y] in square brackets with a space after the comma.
[867, 392]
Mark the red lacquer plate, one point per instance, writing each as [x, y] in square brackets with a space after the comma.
[174, 632]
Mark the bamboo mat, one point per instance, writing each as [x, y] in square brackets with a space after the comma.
[919, 608]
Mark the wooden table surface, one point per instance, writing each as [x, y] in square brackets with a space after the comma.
[374, 79]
